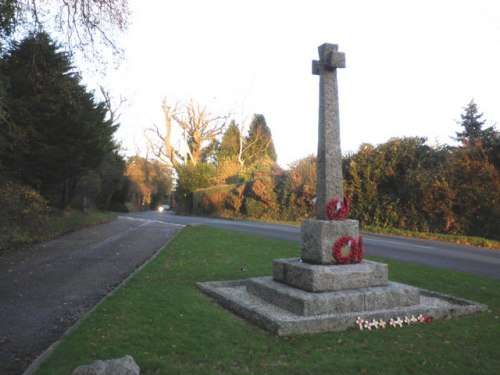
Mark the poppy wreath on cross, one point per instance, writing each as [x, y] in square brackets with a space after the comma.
[355, 254]
[337, 210]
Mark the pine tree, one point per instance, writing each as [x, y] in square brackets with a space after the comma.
[472, 123]
[481, 143]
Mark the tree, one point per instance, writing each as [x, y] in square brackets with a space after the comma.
[259, 143]
[228, 156]
[151, 181]
[59, 131]
[475, 174]
[84, 25]
[230, 146]
[484, 143]
[199, 127]
[8, 10]
[112, 177]
[385, 183]
[472, 123]
[296, 189]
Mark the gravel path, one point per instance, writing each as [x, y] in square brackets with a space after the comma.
[45, 289]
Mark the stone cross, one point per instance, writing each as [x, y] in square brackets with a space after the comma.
[329, 163]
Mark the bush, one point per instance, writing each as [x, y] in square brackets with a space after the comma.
[121, 207]
[192, 177]
[23, 211]
[235, 199]
[257, 209]
[21, 205]
[211, 201]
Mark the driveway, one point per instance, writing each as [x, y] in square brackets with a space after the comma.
[45, 289]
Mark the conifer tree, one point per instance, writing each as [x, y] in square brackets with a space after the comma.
[472, 124]
[482, 143]
[56, 131]
[259, 143]
[230, 144]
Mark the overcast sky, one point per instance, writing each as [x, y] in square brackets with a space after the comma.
[411, 66]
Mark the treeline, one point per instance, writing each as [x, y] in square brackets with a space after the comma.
[407, 184]
[57, 151]
[403, 183]
[55, 137]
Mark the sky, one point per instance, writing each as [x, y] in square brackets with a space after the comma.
[411, 66]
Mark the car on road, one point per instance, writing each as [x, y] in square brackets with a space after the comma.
[163, 208]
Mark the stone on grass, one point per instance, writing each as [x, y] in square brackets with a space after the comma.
[121, 366]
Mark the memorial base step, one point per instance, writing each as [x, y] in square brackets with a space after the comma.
[234, 296]
[305, 303]
[328, 278]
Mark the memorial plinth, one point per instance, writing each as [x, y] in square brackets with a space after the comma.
[313, 293]
[317, 237]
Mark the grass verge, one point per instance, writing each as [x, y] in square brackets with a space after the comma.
[162, 320]
[55, 225]
[455, 238]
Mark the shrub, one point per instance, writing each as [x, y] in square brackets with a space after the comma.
[211, 201]
[23, 211]
[235, 199]
[192, 177]
[257, 209]
[21, 205]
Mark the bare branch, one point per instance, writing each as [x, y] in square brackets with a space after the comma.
[82, 25]
[114, 115]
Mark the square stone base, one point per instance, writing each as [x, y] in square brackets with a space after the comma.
[234, 296]
[319, 236]
[328, 278]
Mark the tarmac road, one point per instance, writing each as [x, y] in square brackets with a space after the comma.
[46, 288]
[439, 254]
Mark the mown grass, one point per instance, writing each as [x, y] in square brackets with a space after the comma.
[162, 320]
[13, 236]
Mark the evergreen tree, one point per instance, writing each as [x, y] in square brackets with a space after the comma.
[482, 143]
[259, 144]
[7, 18]
[472, 123]
[229, 149]
[59, 132]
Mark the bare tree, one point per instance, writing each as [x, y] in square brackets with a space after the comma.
[161, 142]
[199, 128]
[84, 25]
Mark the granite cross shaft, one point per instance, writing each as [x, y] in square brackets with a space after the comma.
[329, 163]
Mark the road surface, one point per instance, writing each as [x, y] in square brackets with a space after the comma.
[469, 259]
[46, 288]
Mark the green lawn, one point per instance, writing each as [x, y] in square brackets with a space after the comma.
[162, 320]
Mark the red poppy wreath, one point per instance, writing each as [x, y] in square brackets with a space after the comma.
[337, 210]
[355, 254]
